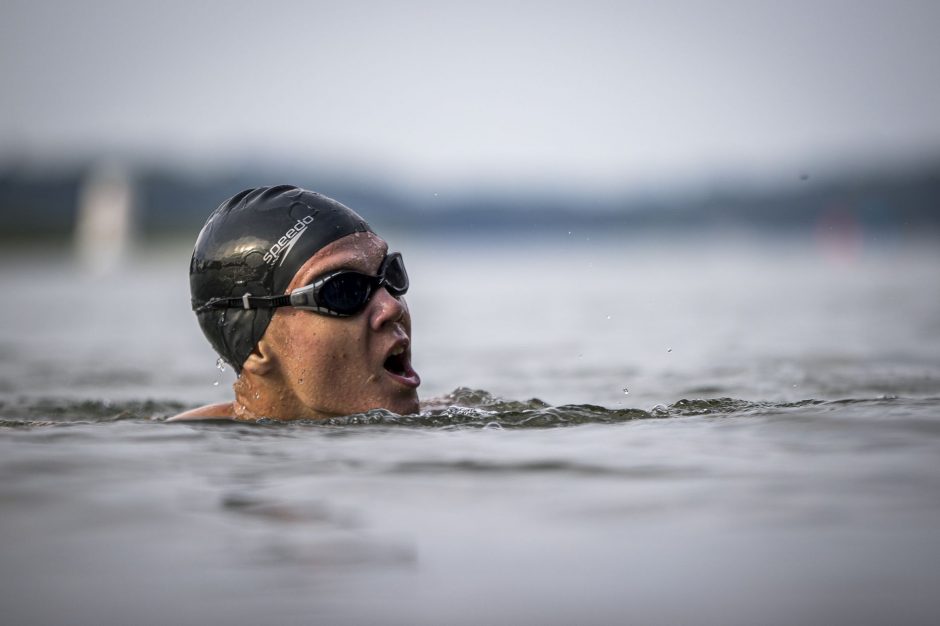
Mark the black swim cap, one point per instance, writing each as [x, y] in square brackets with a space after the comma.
[254, 243]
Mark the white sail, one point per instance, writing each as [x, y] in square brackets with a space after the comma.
[104, 222]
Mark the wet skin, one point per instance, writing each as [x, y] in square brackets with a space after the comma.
[312, 366]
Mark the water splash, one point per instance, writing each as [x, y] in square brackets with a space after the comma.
[462, 408]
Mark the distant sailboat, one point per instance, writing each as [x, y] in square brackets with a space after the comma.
[104, 223]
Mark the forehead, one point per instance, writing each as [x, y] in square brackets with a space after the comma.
[362, 252]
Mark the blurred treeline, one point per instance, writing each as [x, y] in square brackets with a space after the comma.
[41, 203]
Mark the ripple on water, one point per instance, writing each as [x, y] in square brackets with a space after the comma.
[51, 411]
[463, 408]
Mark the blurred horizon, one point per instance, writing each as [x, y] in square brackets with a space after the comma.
[161, 199]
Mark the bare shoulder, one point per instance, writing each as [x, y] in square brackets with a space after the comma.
[223, 410]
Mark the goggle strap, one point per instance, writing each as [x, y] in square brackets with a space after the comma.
[247, 301]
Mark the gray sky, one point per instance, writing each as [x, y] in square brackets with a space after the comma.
[599, 93]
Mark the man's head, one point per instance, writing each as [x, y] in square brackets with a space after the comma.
[340, 342]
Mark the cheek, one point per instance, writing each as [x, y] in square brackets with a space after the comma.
[320, 355]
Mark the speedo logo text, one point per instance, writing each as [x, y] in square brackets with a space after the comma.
[285, 243]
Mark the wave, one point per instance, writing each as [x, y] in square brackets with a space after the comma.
[462, 408]
[49, 411]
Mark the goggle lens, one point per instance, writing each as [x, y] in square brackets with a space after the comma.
[346, 293]
[394, 275]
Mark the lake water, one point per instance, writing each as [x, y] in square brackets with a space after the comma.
[616, 432]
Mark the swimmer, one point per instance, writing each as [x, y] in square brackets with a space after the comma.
[306, 303]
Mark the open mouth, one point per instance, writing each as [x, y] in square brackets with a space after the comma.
[398, 365]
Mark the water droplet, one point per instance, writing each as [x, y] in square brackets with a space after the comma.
[569, 232]
[215, 384]
[659, 410]
[608, 317]
[219, 363]
[668, 349]
[435, 194]
[626, 391]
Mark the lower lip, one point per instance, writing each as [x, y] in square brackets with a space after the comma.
[411, 380]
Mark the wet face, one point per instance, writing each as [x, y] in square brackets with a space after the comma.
[342, 365]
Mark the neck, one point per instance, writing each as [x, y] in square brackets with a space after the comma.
[258, 397]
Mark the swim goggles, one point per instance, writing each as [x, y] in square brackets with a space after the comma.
[340, 294]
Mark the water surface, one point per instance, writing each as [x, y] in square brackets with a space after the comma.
[613, 433]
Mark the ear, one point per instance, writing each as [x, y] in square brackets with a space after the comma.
[261, 361]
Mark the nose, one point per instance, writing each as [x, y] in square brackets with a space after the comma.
[386, 308]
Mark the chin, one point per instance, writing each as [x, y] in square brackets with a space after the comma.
[403, 405]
